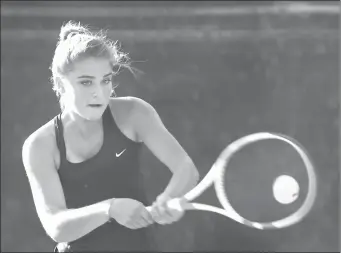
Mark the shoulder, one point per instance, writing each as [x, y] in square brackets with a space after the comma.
[41, 141]
[130, 104]
[129, 109]
[133, 115]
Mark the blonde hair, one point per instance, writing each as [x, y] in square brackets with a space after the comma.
[77, 42]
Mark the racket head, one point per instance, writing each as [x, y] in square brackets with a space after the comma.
[221, 167]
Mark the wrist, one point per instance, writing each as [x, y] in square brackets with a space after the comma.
[109, 209]
[167, 194]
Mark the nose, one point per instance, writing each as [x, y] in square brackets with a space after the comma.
[98, 91]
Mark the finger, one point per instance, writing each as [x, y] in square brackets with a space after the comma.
[134, 218]
[169, 213]
[132, 225]
[155, 215]
[139, 222]
[172, 215]
[147, 217]
[175, 208]
[154, 212]
[159, 209]
[134, 222]
[161, 214]
[167, 216]
[158, 213]
[129, 225]
[162, 222]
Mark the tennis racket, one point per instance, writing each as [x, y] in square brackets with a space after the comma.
[247, 174]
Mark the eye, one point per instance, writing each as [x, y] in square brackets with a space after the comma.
[86, 82]
[107, 81]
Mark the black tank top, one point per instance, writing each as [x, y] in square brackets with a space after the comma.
[112, 173]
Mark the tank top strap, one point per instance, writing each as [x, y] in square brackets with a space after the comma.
[109, 124]
[58, 126]
[111, 128]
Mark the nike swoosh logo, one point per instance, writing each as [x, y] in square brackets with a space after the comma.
[119, 154]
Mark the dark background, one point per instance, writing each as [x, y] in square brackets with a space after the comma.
[221, 71]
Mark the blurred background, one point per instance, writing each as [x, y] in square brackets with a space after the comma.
[214, 71]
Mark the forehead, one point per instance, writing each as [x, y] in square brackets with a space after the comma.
[91, 67]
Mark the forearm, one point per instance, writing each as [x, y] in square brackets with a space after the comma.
[73, 224]
[183, 180]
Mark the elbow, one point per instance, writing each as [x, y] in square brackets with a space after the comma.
[56, 237]
[196, 176]
[59, 235]
[56, 230]
[56, 233]
[193, 174]
[53, 232]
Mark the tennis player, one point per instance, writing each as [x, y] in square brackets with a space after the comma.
[83, 166]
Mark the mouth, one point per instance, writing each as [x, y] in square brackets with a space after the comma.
[95, 105]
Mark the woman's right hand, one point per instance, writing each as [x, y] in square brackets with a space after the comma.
[130, 213]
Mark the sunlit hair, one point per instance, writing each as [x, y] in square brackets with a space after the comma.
[77, 42]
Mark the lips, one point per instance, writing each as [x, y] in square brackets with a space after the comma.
[95, 105]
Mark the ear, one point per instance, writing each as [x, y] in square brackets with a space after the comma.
[60, 85]
[113, 87]
[113, 93]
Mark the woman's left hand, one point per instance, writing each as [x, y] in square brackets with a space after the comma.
[166, 210]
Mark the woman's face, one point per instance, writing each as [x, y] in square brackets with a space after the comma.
[87, 87]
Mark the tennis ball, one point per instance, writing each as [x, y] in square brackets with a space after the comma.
[285, 189]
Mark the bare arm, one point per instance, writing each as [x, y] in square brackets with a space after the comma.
[166, 148]
[60, 223]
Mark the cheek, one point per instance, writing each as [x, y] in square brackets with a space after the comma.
[107, 91]
[75, 95]
[69, 94]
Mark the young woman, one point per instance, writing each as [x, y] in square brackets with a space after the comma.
[83, 166]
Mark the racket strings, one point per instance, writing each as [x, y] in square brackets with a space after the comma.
[223, 162]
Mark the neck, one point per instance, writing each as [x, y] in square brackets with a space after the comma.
[84, 126]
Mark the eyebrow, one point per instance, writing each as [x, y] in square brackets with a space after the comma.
[92, 77]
